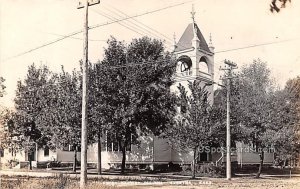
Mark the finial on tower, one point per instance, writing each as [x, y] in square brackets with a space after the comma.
[210, 45]
[193, 13]
[174, 38]
[194, 24]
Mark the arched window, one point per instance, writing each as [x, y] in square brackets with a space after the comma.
[203, 66]
[184, 65]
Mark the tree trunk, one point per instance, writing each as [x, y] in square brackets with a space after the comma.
[261, 156]
[99, 154]
[194, 164]
[30, 164]
[123, 157]
[30, 161]
[75, 159]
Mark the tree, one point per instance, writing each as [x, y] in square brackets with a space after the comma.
[7, 136]
[61, 113]
[289, 100]
[48, 110]
[100, 111]
[220, 110]
[2, 86]
[139, 89]
[274, 5]
[255, 89]
[263, 112]
[292, 88]
[193, 128]
[29, 106]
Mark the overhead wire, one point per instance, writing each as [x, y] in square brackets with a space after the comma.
[135, 26]
[114, 19]
[158, 34]
[256, 45]
[130, 17]
[78, 38]
[138, 15]
[93, 27]
[153, 32]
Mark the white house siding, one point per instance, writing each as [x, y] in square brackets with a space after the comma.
[142, 154]
[162, 151]
[66, 156]
[187, 158]
[181, 157]
[163, 154]
[253, 158]
[19, 156]
[51, 157]
[245, 156]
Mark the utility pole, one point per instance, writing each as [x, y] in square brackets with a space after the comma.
[228, 76]
[83, 166]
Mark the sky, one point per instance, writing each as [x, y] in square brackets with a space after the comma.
[233, 24]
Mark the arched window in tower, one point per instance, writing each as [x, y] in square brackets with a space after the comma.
[203, 66]
[184, 66]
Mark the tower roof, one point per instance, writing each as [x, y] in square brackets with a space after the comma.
[185, 42]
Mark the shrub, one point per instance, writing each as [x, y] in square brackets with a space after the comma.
[204, 170]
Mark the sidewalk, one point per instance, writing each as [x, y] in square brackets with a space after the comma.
[93, 174]
[267, 175]
[116, 179]
[115, 176]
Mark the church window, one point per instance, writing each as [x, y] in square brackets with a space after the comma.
[113, 145]
[46, 151]
[203, 67]
[204, 156]
[184, 65]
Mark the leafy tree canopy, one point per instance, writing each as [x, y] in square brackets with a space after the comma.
[136, 79]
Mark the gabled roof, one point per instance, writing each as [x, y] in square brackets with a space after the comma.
[185, 42]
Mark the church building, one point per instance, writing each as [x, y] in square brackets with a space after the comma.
[195, 60]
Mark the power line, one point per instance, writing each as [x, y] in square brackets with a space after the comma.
[95, 40]
[95, 26]
[155, 33]
[138, 15]
[138, 29]
[159, 33]
[257, 45]
[135, 26]
[141, 30]
[130, 17]
[114, 19]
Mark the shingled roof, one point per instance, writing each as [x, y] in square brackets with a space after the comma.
[185, 42]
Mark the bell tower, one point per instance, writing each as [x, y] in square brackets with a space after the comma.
[195, 58]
